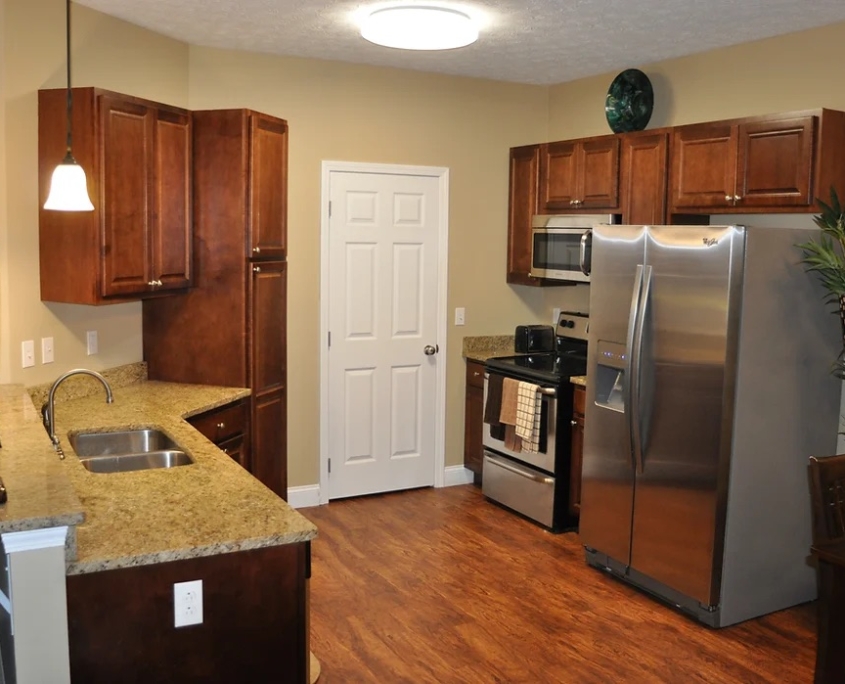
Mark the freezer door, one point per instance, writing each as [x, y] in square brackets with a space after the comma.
[684, 403]
[607, 473]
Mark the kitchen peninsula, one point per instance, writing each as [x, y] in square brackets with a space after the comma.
[145, 530]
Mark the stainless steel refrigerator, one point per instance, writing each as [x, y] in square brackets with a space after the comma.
[708, 388]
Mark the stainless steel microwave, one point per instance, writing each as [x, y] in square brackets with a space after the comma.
[561, 246]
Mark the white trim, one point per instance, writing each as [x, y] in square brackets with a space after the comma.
[442, 173]
[304, 497]
[457, 475]
[32, 540]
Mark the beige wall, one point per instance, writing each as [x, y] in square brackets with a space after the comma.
[799, 71]
[342, 112]
[107, 53]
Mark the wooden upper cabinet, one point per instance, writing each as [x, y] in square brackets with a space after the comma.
[778, 163]
[643, 177]
[580, 175]
[522, 206]
[268, 187]
[137, 159]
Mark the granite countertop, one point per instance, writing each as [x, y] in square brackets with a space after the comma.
[579, 380]
[209, 507]
[40, 493]
[483, 347]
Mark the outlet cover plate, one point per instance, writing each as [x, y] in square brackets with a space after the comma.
[187, 603]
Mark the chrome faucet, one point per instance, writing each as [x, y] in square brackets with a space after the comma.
[49, 409]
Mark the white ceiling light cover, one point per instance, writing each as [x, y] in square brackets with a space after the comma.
[418, 27]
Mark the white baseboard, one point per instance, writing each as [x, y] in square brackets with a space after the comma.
[457, 475]
[304, 497]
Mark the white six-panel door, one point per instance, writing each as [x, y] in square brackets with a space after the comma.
[383, 285]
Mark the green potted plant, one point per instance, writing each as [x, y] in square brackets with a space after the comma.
[826, 257]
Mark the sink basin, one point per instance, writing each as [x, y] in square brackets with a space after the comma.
[117, 452]
[121, 463]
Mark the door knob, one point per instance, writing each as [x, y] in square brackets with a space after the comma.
[430, 350]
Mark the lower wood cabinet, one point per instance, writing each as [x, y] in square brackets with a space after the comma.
[228, 428]
[254, 628]
[474, 419]
[578, 405]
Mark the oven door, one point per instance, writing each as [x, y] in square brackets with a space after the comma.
[561, 254]
[545, 458]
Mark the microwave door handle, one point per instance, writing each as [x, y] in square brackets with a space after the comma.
[585, 269]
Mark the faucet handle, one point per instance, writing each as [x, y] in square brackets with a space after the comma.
[45, 420]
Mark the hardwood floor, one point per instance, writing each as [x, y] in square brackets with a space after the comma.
[442, 586]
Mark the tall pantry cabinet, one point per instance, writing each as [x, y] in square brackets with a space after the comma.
[230, 329]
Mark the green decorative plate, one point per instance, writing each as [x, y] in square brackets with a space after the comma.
[629, 102]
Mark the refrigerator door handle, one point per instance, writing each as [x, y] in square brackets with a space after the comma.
[636, 380]
[585, 269]
[630, 365]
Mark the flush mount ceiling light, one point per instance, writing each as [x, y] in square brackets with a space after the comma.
[68, 187]
[418, 27]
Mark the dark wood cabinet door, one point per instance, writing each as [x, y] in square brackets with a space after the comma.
[126, 171]
[643, 175]
[268, 325]
[577, 458]
[775, 163]
[703, 166]
[474, 419]
[171, 234]
[559, 175]
[522, 206]
[269, 461]
[598, 184]
[268, 187]
[267, 332]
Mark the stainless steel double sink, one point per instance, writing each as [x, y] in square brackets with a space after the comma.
[127, 450]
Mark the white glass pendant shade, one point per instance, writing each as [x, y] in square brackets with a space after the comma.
[416, 27]
[68, 188]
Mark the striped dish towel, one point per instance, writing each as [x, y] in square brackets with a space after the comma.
[528, 414]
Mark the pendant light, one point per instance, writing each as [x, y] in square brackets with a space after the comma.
[68, 187]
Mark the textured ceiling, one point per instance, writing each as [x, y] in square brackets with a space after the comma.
[528, 41]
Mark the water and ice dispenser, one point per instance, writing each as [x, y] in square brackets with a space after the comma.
[610, 375]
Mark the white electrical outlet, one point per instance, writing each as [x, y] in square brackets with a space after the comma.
[187, 603]
[46, 350]
[460, 315]
[93, 343]
[555, 315]
[27, 354]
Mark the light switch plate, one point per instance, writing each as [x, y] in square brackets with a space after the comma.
[27, 353]
[460, 316]
[93, 342]
[46, 350]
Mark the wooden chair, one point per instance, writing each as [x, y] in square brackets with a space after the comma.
[827, 491]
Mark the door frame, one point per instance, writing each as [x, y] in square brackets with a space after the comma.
[442, 174]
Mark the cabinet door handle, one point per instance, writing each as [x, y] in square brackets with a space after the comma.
[151, 283]
[256, 250]
[256, 269]
[476, 374]
[220, 426]
[573, 422]
[737, 198]
[225, 451]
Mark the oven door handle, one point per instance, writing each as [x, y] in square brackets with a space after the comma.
[546, 391]
[495, 460]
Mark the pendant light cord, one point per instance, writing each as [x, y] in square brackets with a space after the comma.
[69, 94]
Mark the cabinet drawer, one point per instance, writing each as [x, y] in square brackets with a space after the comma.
[579, 400]
[223, 423]
[475, 374]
